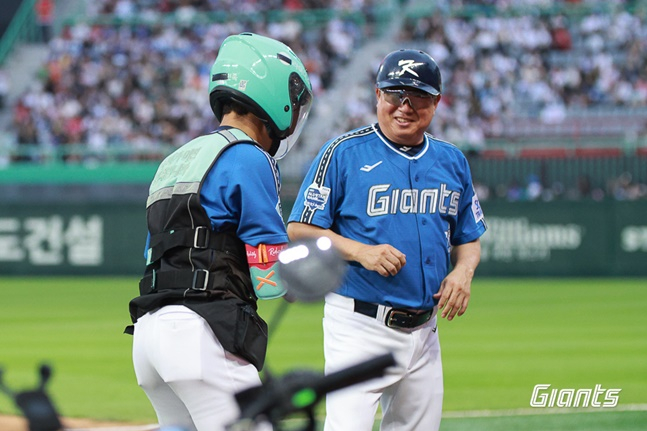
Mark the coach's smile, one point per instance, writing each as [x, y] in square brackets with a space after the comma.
[403, 121]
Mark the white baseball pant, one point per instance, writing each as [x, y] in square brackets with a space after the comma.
[410, 393]
[187, 375]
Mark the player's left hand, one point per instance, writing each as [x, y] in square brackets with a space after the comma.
[454, 295]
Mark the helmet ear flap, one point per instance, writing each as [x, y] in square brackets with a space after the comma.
[410, 68]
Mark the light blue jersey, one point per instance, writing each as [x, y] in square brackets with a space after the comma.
[422, 202]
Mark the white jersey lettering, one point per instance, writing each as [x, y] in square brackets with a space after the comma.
[431, 196]
[383, 200]
[375, 206]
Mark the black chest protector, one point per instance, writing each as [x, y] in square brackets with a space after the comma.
[190, 264]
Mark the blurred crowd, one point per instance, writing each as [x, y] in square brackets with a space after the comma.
[624, 187]
[140, 81]
[496, 68]
[133, 74]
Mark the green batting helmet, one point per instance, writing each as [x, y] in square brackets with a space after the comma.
[266, 77]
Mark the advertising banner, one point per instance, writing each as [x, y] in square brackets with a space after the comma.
[523, 239]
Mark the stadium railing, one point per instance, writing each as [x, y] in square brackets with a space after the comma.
[571, 9]
[75, 164]
[23, 28]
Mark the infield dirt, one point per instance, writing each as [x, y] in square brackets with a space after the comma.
[17, 423]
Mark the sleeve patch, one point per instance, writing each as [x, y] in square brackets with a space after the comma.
[477, 211]
[316, 197]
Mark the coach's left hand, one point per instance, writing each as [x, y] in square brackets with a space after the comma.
[454, 294]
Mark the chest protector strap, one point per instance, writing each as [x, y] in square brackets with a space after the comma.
[190, 281]
[202, 237]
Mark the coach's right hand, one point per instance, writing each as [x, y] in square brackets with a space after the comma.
[382, 258]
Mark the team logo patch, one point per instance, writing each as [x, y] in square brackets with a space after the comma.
[407, 66]
[316, 197]
[477, 211]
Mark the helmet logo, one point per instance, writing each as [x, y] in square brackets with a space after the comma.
[406, 66]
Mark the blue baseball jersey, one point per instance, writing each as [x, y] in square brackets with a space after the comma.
[422, 202]
[241, 192]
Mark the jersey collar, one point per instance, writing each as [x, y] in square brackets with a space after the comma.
[393, 147]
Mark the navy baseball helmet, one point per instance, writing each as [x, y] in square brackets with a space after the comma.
[410, 68]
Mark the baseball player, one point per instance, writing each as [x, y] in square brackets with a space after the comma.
[215, 232]
[399, 205]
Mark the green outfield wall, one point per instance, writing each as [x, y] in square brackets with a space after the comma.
[523, 239]
[565, 239]
[72, 238]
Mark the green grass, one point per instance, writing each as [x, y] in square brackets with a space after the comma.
[76, 325]
[570, 333]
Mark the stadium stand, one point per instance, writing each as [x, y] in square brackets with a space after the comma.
[536, 81]
[542, 80]
[132, 76]
[510, 76]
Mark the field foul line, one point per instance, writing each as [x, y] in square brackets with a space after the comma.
[542, 411]
[446, 415]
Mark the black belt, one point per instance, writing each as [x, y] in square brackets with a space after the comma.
[396, 317]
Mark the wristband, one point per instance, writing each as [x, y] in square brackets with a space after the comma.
[264, 253]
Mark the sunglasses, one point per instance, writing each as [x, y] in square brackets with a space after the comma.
[417, 100]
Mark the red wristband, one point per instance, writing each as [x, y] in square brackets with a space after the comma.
[264, 253]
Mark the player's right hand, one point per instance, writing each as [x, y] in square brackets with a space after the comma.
[382, 258]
